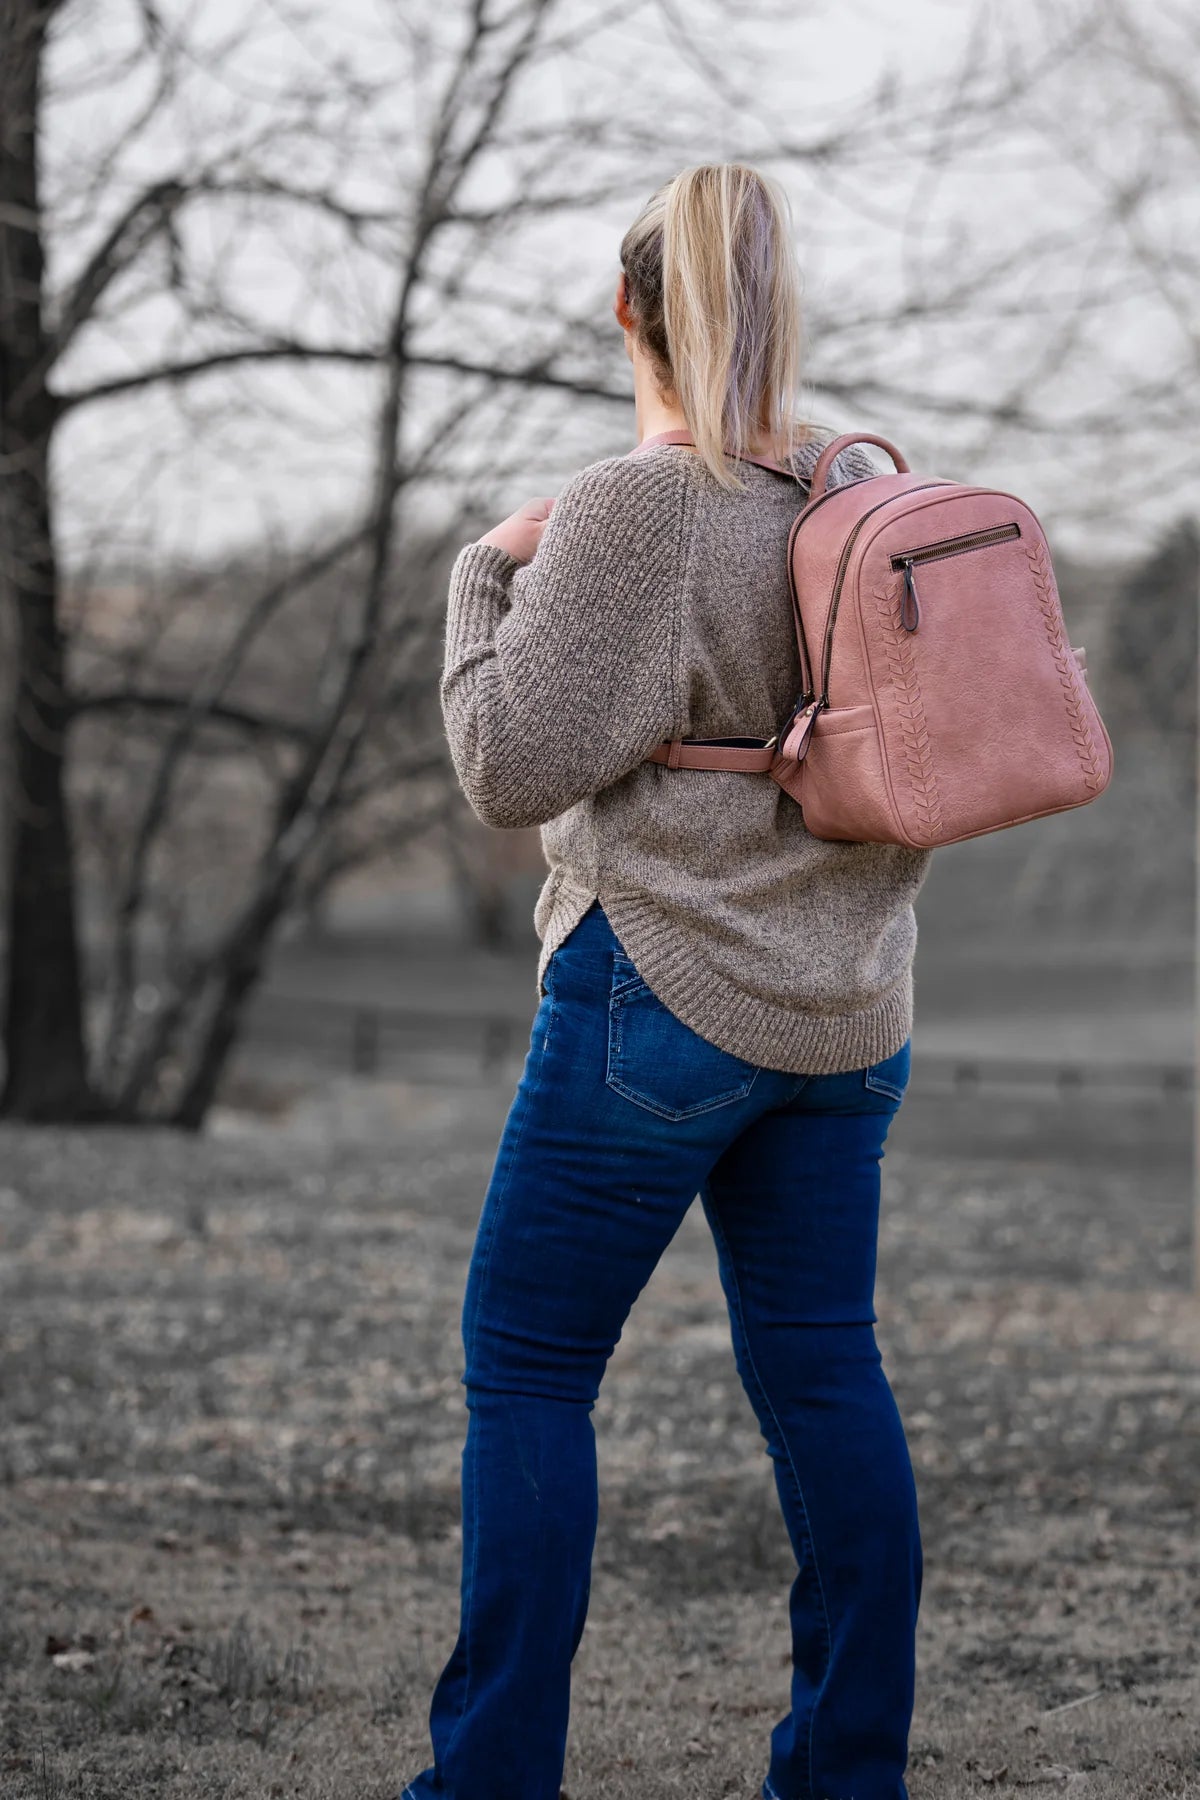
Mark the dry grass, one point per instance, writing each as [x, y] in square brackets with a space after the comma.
[228, 1511]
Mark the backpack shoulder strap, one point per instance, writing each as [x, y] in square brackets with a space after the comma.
[684, 437]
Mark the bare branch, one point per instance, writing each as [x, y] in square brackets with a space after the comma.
[172, 705]
[217, 360]
[144, 217]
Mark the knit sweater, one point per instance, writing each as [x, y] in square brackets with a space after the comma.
[657, 606]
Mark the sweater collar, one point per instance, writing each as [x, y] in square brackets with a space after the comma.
[678, 436]
[681, 436]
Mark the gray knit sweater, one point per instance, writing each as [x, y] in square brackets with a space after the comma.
[657, 606]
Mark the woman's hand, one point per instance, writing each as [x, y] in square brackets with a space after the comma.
[521, 533]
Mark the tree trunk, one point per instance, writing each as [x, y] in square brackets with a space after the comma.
[479, 890]
[235, 980]
[46, 1074]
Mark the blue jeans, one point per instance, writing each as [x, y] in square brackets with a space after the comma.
[622, 1116]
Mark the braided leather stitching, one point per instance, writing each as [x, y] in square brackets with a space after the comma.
[1068, 669]
[910, 710]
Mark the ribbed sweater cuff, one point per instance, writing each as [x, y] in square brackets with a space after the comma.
[478, 598]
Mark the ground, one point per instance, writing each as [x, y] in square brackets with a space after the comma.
[229, 1369]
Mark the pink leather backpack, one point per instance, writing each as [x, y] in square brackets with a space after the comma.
[941, 698]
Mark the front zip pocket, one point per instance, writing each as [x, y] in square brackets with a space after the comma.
[955, 546]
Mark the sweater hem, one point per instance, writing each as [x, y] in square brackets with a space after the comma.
[560, 906]
[791, 1039]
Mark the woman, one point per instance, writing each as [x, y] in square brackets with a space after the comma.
[725, 1010]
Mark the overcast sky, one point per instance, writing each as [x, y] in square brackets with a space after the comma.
[235, 459]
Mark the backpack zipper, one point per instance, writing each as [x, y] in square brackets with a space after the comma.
[839, 578]
[955, 546]
[973, 540]
[809, 705]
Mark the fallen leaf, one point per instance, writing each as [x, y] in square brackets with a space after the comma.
[74, 1662]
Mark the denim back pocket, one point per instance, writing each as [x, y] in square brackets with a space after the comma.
[660, 1063]
[891, 1075]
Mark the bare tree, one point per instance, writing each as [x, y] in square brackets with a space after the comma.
[325, 780]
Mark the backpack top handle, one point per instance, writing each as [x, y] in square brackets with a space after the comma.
[834, 448]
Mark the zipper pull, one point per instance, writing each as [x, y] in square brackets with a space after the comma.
[910, 593]
[797, 734]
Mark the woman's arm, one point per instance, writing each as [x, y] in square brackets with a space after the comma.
[560, 673]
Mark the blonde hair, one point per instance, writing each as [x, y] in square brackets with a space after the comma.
[715, 291]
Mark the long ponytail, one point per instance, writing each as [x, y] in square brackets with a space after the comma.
[715, 289]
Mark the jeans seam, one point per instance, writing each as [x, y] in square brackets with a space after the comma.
[502, 1195]
[879, 1086]
[766, 1398]
[469, 1595]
